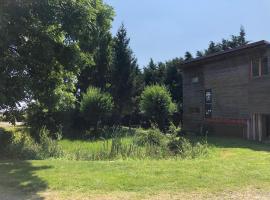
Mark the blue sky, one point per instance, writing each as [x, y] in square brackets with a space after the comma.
[165, 29]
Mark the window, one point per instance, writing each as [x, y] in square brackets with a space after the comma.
[256, 68]
[260, 67]
[208, 103]
[264, 66]
[195, 79]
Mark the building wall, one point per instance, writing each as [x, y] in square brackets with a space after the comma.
[259, 91]
[193, 98]
[228, 80]
[236, 95]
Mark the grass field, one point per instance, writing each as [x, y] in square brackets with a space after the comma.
[234, 169]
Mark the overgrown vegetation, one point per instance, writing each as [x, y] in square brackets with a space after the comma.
[18, 144]
[122, 143]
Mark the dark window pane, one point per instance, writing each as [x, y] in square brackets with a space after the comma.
[208, 110]
[255, 68]
[208, 96]
[265, 66]
[208, 103]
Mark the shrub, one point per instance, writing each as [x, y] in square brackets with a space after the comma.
[38, 117]
[20, 145]
[156, 103]
[183, 147]
[49, 148]
[96, 106]
[152, 136]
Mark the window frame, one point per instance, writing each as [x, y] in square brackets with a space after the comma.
[252, 76]
[208, 104]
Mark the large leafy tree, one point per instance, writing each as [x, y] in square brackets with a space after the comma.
[43, 47]
[98, 73]
[125, 80]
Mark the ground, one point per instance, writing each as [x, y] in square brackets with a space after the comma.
[234, 169]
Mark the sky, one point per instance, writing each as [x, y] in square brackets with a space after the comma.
[165, 29]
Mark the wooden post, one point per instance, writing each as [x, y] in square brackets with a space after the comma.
[254, 126]
[260, 127]
[248, 129]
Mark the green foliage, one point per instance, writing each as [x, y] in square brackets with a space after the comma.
[154, 73]
[184, 148]
[45, 45]
[20, 145]
[49, 148]
[126, 83]
[234, 42]
[188, 56]
[156, 103]
[173, 79]
[96, 106]
[151, 136]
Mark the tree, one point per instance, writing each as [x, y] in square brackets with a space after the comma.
[199, 54]
[173, 79]
[96, 106]
[242, 37]
[150, 76]
[213, 48]
[44, 45]
[98, 73]
[154, 73]
[124, 74]
[156, 103]
[234, 42]
[188, 56]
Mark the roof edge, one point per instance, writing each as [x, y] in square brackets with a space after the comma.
[204, 58]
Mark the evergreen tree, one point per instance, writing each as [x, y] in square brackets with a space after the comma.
[188, 56]
[213, 48]
[242, 37]
[199, 54]
[124, 82]
[150, 73]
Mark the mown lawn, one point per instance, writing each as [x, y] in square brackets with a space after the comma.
[232, 165]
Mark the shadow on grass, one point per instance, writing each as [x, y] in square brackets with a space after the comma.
[224, 142]
[18, 180]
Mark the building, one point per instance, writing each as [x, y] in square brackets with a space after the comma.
[228, 93]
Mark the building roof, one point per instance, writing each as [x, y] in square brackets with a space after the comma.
[199, 60]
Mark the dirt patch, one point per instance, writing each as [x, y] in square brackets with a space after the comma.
[249, 194]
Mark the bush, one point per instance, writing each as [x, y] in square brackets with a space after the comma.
[156, 103]
[96, 106]
[152, 136]
[38, 117]
[183, 147]
[20, 145]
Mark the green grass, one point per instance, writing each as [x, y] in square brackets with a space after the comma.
[232, 164]
[71, 146]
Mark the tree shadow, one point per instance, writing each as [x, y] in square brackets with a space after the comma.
[230, 142]
[18, 180]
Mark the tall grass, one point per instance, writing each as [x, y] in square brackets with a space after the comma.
[144, 144]
[18, 144]
[123, 144]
